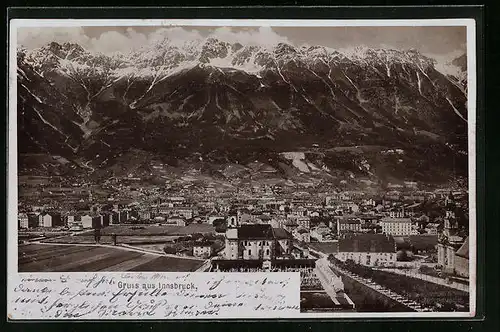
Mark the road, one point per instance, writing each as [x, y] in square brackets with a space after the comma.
[122, 247]
[378, 288]
[330, 281]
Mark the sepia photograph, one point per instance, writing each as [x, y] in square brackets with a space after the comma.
[340, 153]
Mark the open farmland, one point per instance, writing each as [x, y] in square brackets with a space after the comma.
[194, 228]
[82, 258]
[107, 239]
[135, 234]
[138, 229]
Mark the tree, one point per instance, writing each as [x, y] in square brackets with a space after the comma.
[197, 236]
[170, 250]
[404, 256]
[107, 207]
[220, 225]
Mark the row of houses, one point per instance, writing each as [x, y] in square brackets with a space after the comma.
[387, 225]
[90, 220]
[47, 220]
[72, 221]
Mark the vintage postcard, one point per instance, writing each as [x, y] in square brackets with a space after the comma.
[215, 169]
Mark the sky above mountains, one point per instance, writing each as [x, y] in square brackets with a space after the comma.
[443, 41]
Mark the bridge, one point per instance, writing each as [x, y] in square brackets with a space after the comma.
[332, 284]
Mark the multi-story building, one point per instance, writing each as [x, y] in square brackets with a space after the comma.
[302, 234]
[453, 250]
[396, 226]
[91, 221]
[334, 199]
[145, 215]
[51, 219]
[300, 220]
[283, 240]
[177, 220]
[74, 220]
[23, 220]
[396, 214]
[170, 210]
[367, 249]
[187, 213]
[33, 220]
[202, 250]
[348, 225]
[114, 218]
[123, 216]
[447, 249]
[106, 218]
[432, 228]
[321, 234]
[462, 260]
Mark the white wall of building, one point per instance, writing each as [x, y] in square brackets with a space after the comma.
[396, 228]
[202, 251]
[86, 221]
[369, 258]
[231, 249]
[47, 221]
[256, 249]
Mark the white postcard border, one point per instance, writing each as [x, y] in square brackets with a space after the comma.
[12, 190]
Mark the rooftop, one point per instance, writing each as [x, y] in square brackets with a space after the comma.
[255, 231]
[367, 243]
[418, 242]
[281, 234]
[464, 249]
[396, 220]
[349, 221]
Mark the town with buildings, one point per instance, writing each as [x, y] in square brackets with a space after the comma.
[400, 250]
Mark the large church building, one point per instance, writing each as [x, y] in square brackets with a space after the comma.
[255, 241]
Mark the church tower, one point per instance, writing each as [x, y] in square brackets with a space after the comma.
[232, 243]
[450, 224]
[449, 201]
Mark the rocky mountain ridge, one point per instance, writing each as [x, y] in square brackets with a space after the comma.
[224, 104]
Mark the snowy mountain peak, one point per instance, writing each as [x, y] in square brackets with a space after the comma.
[166, 54]
[170, 96]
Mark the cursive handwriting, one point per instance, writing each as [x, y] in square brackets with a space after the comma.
[155, 295]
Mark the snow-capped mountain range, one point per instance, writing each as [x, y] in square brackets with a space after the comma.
[165, 58]
[230, 102]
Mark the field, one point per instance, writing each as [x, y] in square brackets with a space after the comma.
[154, 247]
[107, 239]
[146, 229]
[134, 234]
[72, 258]
[151, 230]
